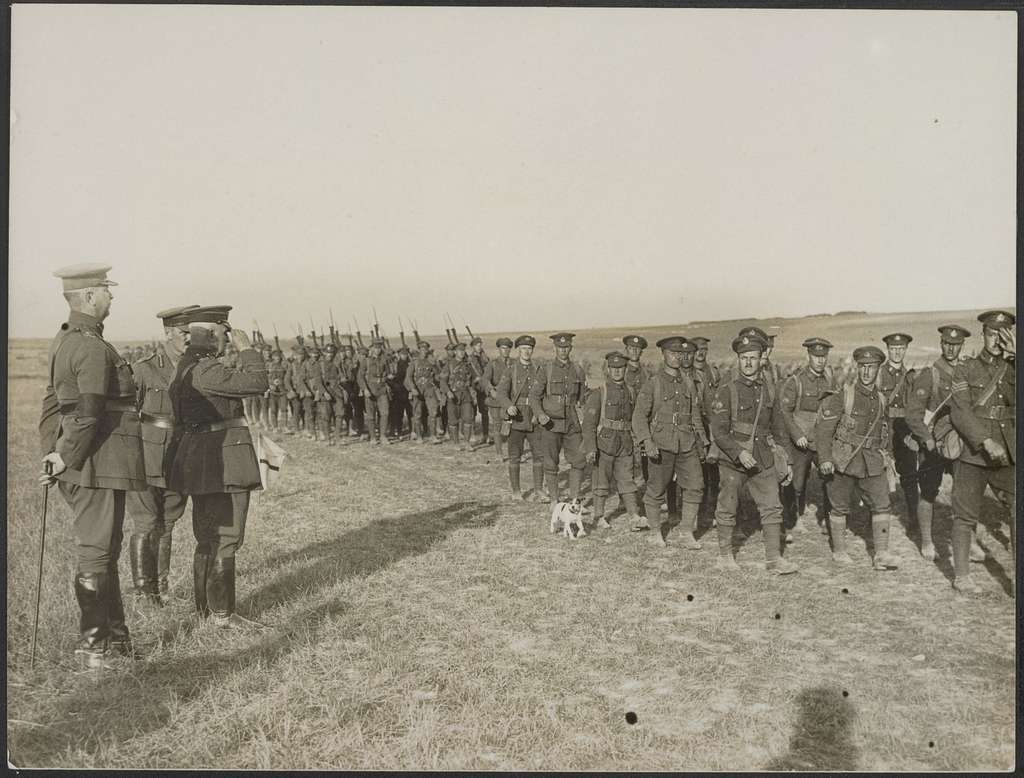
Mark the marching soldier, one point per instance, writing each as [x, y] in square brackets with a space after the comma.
[276, 404]
[668, 422]
[608, 439]
[90, 436]
[421, 381]
[373, 375]
[493, 372]
[553, 398]
[212, 457]
[894, 381]
[157, 509]
[852, 435]
[457, 382]
[985, 416]
[929, 399]
[334, 380]
[478, 360]
[514, 392]
[743, 423]
[800, 397]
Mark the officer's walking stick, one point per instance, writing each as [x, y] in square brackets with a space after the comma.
[39, 576]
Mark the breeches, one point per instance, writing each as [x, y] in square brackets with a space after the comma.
[969, 482]
[613, 472]
[554, 443]
[873, 488]
[218, 521]
[515, 444]
[763, 487]
[155, 509]
[98, 525]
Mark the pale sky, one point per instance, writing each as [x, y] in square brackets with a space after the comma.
[523, 169]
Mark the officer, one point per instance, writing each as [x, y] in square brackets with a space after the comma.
[492, 375]
[743, 422]
[930, 396]
[985, 416]
[554, 400]
[90, 436]
[514, 392]
[295, 388]
[421, 381]
[212, 456]
[276, 404]
[666, 420]
[800, 397]
[894, 381]
[457, 384]
[373, 377]
[852, 434]
[608, 439]
[157, 509]
[478, 360]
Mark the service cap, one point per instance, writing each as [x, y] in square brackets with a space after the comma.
[997, 319]
[525, 340]
[503, 342]
[476, 339]
[174, 317]
[765, 338]
[637, 341]
[377, 342]
[423, 344]
[700, 341]
[459, 345]
[84, 275]
[689, 347]
[952, 333]
[615, 359]
[865, 355]
[897, 339]
[749, 342]
[563, 338]
[818, 347]
[672, 343]
[208, 314]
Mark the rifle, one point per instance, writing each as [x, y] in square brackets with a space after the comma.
[454, 331]
[350, 344]
[471, 335]
[334, 333]
[376, 324]
[359, 335]
[401, 333]
[416, 334]
[277, 341]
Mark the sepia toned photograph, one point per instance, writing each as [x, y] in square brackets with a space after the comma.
[511, 389]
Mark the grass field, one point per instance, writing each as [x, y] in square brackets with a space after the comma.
[419, 620]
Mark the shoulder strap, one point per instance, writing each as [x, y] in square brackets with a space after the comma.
[734, 401]
[993, 384]
[604, 399]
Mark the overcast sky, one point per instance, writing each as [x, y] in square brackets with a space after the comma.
[520, 168]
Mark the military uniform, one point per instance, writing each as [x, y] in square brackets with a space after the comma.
[353, 414]
[636, 376]
[742, 418]
[89, 418]
[800, 396]
[479, 362]
[421, 381]
[608, 440]
[321, 382]
[852, 434]
[493, 372]
[894, 381]
[401, 407]
[984, 409]
[276, 403]
[295, 390]
[212, 458]
[710, 379]
[514, 390]
[155, 510]
[311, 381]
[562, 386]
[373, 377]
[457, 384]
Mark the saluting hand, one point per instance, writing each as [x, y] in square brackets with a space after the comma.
[1008, 340]
[57, 467]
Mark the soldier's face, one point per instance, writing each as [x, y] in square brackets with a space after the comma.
[526, 352]
[562, 352]
[817, 362]
[633, 353]
[897, 352]
[672, 358]
[686, 359]
[617, 373]
[504, 351]
[460, 354]
[100, 297]
[993, 345]
[867, 373]
[374, 351]
[701, 356]
[951, 351]
[478, 348]
[749, 363]
[176, 338]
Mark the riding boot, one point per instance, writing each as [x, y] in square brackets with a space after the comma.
[884, 559]
[142, 556]
[513, 480]
[837, 525]
[575, 482]
[119, 638]
[163, 561]
[924, 522]
[93, 624]
[201, 561]
[687, 523]
[220, 587]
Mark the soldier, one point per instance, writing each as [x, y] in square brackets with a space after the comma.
[373, 375]
[155, 510]
[421, 381]
[608, 439]
[478, 360]
[712, 375]
[554, 399]
[985, 416]
[212, 456]
[401, 407]
[711, 378]
[276, 403]
[349, 366]
[636, 375]
[457, 384]
[295, 388]
[514, 392]
[357, 426]
[930, 396]
[492, 375]
[323, 384]
[666, 420]
[894, 381]
[800, 397]
[90, 436]
[852, 434]
[743, 422]
[308, 383]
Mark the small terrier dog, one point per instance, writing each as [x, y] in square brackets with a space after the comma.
[567, 516]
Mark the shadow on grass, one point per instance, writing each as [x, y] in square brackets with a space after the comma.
[115, 706]
[821, 737]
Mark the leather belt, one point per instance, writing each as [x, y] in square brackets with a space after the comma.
[163, 422]
[677, 418]
[110, 406]
[897, 413]
[614, 424]
[215, 426]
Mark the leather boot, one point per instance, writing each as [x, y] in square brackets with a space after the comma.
[220, 591]
[201, 561]
[90, 591]
[774, 563]
[726, 561]
[539, 492]
[837, 524]
[119, 639]
[884, 559]
[672, 497]
[687, 523]
[924, 522]
[163, 561]
[513, 481]
[599, 501]
[961, 541]
[142, 556]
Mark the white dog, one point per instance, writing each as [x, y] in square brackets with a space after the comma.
[565, 516]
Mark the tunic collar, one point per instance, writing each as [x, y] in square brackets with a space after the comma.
[986, 357]
[86, 321]
[869, 391]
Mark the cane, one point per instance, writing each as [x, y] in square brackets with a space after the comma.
[39, 577]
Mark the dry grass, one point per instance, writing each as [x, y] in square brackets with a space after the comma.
[420, 621]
